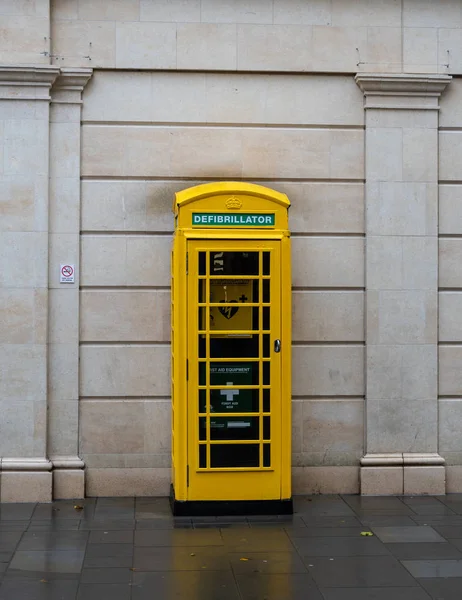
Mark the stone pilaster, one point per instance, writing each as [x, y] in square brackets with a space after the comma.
[63, 380]
[401, 284]
[24, 217]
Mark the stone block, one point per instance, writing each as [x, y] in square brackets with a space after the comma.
[328, 316]
[420, 49]
[175, 11]
[297, 12]
[402, 317]
[18, 206]
[424, 13]
[402, 372]
[75, 42]
[23, 486]
[333, 431]
[145, 45]
[384, 154]
[338, 48]
[325, 207]
[125, 261]
[121, 10]
[63, 427]
[23, 316]
[125, 316]
[450, 263]
[223, 11]
[402, 208]
[63, 249]
[129, 371]
[450, 155]
[274, 47]
[23, 427]
[450, 112]
[128, 206]
[206, 46]
[402, 262]
[382, 481]
[24, 369]
[450, 209]
[63, 326]
[406, 425]
[424, 481]
[453, 480]
[383, 49]
[363, 13]
[33, 31]
[325, 480]
[68, 484]
[450, 317]
[65, 205]
[19, 249]
[65, 150]
[420, 161]
[128, 482]
[450, 373]
[328, 370]
[328, 262]
[63, 371]
[450, 415]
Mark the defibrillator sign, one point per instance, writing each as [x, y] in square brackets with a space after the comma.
[233, 219]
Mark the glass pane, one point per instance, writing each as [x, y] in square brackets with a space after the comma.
[234, 347]
[233, 263]
[266, 401]
[202, 456]
[266, 318]
[239, 373]
[232, 400]
[266, 373]
[266, 428]
[234, 455]
[202, 428]
[266, 263]
[266, 346]
[202, 401]
[266, 455]
[202, 345]
[231, 317]
[234, 428]
[202, 263]
[201, 290]
[266, 290]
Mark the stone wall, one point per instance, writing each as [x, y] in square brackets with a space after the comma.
[126, 102]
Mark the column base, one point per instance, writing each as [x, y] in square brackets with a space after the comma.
[408, 474]
[68, 477]
[26, 480]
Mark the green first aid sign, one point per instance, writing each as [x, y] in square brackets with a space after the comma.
[233, 220]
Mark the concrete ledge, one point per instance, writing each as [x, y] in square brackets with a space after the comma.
[382, 481]
[68, 484]
[128, 482]
[325, 480]
[22, 486]
[424, 480]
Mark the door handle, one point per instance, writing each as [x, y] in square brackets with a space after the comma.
[277, 345]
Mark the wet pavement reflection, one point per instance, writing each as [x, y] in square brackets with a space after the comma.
[332, 548]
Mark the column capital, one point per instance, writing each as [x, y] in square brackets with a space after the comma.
[69, 85]
[402, 91]
[26, 83]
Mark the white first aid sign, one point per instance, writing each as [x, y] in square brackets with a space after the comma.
[66, 274]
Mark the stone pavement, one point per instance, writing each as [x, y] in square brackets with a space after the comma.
[126, 548]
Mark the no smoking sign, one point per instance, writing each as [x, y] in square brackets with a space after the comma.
[66, 274]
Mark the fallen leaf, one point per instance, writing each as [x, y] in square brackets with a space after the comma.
[192, 554]
[44, 581]
[78, 507]
[243, 559]
[366, 533]
[133, 569]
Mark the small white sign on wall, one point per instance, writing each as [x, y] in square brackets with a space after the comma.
[66, 273]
